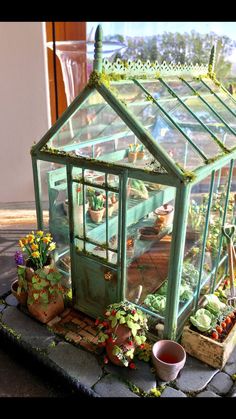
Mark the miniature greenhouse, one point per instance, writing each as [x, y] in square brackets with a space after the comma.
[135, 181]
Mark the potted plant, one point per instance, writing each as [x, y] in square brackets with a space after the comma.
[122, 330]
[41, 278]
[132, 153]
[196, 219]
[140, 152]
[96, 209]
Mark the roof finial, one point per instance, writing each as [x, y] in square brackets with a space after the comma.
[97, 64]
[212, 60]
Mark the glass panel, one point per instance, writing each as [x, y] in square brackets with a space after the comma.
[55, 213]
[220, 92]
[98, 234]
[204, 113]
[98, 132]
[148, 240]
[231, 208]
[187, 122]
[229, 139]
[159, 126]
[199, 199]
[216, 220]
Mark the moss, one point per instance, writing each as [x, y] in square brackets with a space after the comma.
[10, 330]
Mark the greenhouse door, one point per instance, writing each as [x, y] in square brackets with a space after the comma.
[97, 234]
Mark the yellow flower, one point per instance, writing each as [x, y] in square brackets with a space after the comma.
[46, 240]
[52, 246]
[24, 241]
[35, 255]
[31, 238]
[21, 243]
[39, 233]
[34, 246]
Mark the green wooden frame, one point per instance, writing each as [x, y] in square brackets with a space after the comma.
[170, 173]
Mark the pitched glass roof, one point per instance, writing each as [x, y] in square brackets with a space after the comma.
[184, 121]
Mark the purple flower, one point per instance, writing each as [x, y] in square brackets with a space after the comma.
[19, 259]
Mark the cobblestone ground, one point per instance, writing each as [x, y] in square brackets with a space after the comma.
[69, 345]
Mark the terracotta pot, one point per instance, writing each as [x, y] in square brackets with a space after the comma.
[22, 296]
[165, 216]
[123, 334]
[30, 271]
[140, 155]
[46, 312]
[132, 156]
[168, 358]
[96, 216]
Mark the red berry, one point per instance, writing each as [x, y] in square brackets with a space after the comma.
[132, 365]
[96, 322]
[113, 313]
[142, 346]
[223, 324]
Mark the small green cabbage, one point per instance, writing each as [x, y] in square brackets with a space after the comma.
[203, 320]
[214, 304]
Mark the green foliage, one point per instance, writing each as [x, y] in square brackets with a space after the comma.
[22, 282]
[97, 202]
[45, 286]
[123, 313]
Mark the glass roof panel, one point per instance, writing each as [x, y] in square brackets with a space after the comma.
[95, 130]
[221, 93]
[229, 139]
[159, 126]
[195, 131]
[207, 116]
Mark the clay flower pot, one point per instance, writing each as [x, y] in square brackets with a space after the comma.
[140, 155]
[165, 216]
[22, 296]
[132, 156]
[96, 216]
[168, 358]
[46, 312]
[123, 334]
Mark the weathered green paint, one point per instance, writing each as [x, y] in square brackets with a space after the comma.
[176, 260]
[97, 64]
[37, 192]
[197, 292]
[205, 171]
[71, 229]
[123, 236]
